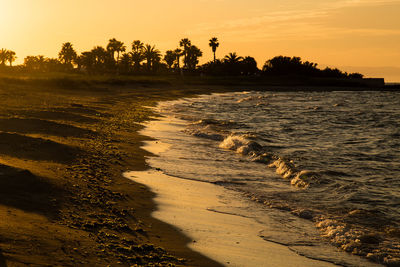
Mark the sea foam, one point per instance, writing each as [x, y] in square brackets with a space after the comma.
[241, 144]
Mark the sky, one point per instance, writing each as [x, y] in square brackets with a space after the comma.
[353, 35]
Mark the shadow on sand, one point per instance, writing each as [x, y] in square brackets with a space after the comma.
[23, 190]
[59, 115]
[25, 147]
[38, 126]
[2, 260]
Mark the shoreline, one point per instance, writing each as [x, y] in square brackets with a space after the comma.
[210, 215]
[63, 199]
[75, 207]
[229, 239]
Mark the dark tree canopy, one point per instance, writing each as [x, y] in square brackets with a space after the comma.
[170, 58]
[152, 56]
[42, 64]
[192, 57]
[185, 43]
[282, 65]
[146, 59]
[115, 46]
[232, 65]
[67, 54]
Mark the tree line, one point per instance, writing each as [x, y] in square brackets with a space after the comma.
[140, 58]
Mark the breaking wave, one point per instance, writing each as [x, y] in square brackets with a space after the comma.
[336, 155]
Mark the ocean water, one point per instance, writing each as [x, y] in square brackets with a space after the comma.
[324, 165]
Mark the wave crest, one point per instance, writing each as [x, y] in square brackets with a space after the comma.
[241, 144]
[285, 168]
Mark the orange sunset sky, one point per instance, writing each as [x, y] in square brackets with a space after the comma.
[353, 35]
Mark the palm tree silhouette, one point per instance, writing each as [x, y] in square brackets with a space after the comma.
[233, 63]
[137, 53]
[214, 44]
[152, 56]
[35, 63]
[137, 46]
[115, 46]
[192, 59]
[10, 56]
[87, 60]
[99, 55]
[40, 60]
[185, 43]
[67, 54]
[126, 62]
[232, 58]
[178, 54]
[170, 58]
[79, 61]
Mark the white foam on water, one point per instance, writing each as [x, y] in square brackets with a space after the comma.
[291, 139]
[206, 213]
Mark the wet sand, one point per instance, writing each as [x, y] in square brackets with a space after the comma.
[229, 239]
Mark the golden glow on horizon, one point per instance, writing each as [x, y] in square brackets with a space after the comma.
[334, 32]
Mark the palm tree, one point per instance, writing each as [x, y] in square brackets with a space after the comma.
[152, 56]
[137, 46]
[192, 57]
[178, 54]
[30, 62]
[100, 56]
[99, 53]
[232, 58]
[185, 43]
[35, 63]
[170, 58]
[78, 61]
[112, 47]
[126, 62]
[40, 61]
[67, 54]
[137, 54]
[115, 46]
[233, 64]
[86, 60]
[214, 44]
[10, 56]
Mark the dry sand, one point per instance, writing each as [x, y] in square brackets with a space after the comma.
[63, 200]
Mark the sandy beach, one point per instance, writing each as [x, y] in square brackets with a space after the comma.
[63, 199]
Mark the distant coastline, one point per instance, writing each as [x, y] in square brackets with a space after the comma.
[284, 82]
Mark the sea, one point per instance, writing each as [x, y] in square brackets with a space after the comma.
[329, 159]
